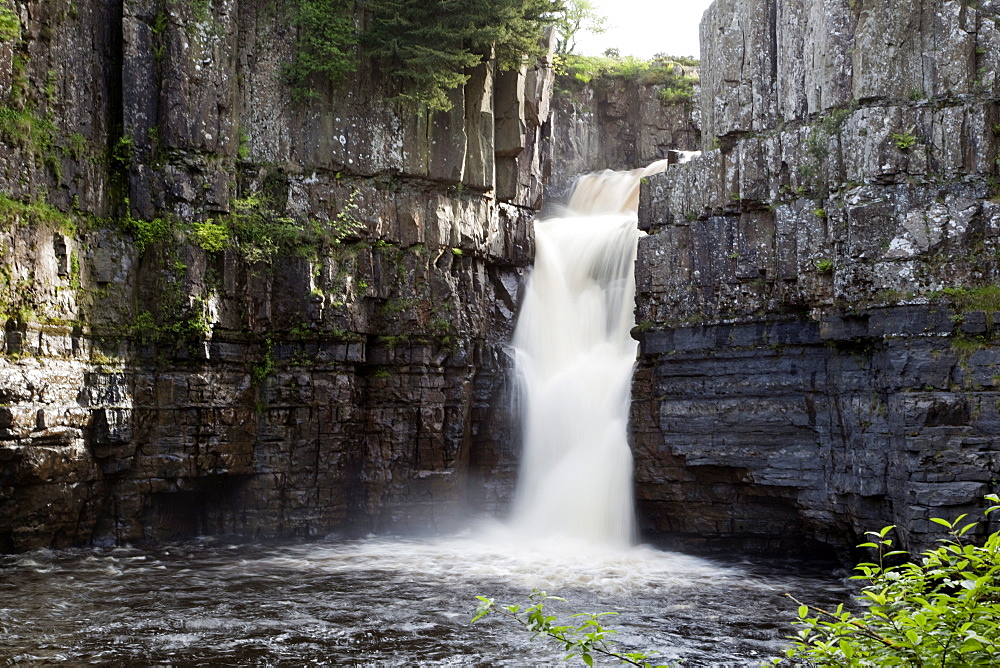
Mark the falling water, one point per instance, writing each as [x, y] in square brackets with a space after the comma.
[574, 358]
[403, 602]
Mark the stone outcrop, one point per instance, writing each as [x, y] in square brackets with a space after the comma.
[617, 122]
[341, 367]
[818, 292]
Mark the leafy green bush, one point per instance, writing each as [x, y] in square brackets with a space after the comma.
[940, 610]
[904, 141]
[210, 236]
[146, 232]
[585, 640]
[680, 89]
[824, 265]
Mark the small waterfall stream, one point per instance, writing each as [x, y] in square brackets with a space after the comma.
[574, 359]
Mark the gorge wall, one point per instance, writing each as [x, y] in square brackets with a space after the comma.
[816, 303]
[340, 367]
[818, 292]
[617, 122]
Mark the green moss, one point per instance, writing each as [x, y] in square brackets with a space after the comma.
[966, 346]
[78, 146]
[27, 128]
[74, 271]
[10, 25]
[259, 371]
[393, 340]
[984, 298]
[201, 10]
[243, 152]
[36, 213]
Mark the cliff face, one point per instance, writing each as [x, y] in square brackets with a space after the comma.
[339, 369]
[818, 292]
[618, 123]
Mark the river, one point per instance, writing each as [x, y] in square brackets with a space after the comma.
[383, 601]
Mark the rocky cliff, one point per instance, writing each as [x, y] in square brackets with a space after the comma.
[227, 311]
[817, 297]
[618, 122]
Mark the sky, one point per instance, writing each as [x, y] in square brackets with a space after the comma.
[645, 27]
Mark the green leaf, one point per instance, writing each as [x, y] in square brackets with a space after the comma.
[966, 528]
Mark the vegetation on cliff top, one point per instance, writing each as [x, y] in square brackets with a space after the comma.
[425, 46]
[580, 16]
[671, 73]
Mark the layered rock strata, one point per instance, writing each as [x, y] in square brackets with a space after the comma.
[344, 369]
[818, 292]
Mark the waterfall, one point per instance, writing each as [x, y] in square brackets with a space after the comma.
[574, 359]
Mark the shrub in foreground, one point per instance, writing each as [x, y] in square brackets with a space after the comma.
[941, 609]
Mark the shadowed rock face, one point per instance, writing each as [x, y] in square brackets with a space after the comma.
[172, 390]
[816, 298]
[617, 123]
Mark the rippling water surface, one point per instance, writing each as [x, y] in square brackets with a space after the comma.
[382, 601]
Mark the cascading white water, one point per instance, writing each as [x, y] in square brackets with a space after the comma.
[574, 359]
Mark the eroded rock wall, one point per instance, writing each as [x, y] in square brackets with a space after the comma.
[154, 383]
[818, 292]
[619, 123]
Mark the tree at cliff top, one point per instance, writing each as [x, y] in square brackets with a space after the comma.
[579, 16]
[426, 45]
[325, 44]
